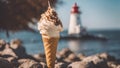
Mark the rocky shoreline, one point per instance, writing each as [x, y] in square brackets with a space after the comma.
[13, 55]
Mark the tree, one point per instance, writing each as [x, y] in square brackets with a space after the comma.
[17, 14]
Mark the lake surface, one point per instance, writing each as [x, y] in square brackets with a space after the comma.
[33, 42]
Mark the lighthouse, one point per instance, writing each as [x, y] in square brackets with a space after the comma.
[75, 25]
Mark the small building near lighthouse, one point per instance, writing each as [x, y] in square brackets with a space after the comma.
[75, 25]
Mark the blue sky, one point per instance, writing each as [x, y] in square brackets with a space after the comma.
[96, 14]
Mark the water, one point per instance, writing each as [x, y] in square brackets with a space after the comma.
[33, 43]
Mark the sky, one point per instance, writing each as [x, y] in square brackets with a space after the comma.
[96, 14]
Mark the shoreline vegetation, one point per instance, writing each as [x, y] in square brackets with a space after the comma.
[13, 55]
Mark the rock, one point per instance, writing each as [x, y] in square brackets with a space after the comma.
[59, 58]
[61, 65]
[13, 55]
[118, 61]
[15, 43]
[10, 59]
[43, 65]
[107, 57]
[28, 63]
[99, 62]
[5, 64]
[81, 56]
[18, 49]
[40, 57]
[8, 51]
[65, 52]
[102, 64]
[15, 63]
[112, 65]
[2, 44]
[22, 60]
[72, 58]
[118, 66]
[93, 58]
[81, 64]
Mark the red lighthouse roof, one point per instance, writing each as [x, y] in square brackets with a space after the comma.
[75, 9]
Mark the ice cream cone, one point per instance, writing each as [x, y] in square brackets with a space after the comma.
[50, 27]
[50, 46]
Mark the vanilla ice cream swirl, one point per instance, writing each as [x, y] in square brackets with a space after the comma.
[49, 24]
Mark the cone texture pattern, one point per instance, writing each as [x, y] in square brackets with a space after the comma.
[50, 46]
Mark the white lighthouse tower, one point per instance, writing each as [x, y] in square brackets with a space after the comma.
[75, 26]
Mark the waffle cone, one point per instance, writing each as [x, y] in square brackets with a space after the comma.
[50, 46]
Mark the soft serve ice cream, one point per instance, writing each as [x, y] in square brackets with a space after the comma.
[49, 24]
